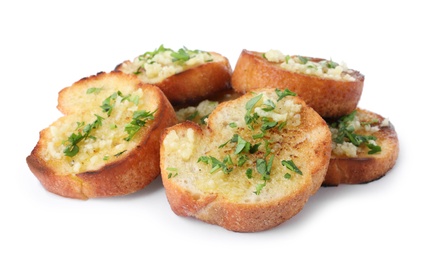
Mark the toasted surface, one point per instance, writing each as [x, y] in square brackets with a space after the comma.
[200, 76]
[233, 171]
[107, 142]
[350, 164]
[332, 92]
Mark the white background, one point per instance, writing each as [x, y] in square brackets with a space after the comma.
[46, 46]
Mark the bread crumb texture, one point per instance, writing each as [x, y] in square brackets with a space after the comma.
[323, 68]
[254, 149]
[109, 127]
[155, 66]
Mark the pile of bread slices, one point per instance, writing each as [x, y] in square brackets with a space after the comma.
[243, 149]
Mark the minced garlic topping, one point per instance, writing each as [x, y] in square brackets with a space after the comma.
[184, 146]
[299, 64]
[153, 67]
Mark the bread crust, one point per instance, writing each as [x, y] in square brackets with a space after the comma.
[127, 174]
[365, 167]
[330, 98]
[222, 209]
[194, 84]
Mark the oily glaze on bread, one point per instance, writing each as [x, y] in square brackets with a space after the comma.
[108, 160]
[354, 165]
[194, 79]
[219, 174]
[329, 97]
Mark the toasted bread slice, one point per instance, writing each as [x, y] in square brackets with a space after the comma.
[372, 153]
[252, 167]
[184, 76]
[326, 86]
[107, 142]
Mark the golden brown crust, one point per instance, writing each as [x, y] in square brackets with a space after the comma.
[330, 98]
[195, 84]
[365, 168]
[223, 210]
[122, 176]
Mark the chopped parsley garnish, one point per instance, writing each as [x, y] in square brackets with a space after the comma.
[216, 164]
[119, 153]
[286, 92]
[268, 105]
[291, 166]
[192, 116]
[203, 119]
[139, 119]
[251, 118]
[106, 104]
[173, 172]
[303, 60]
[264, 168]
[373, 148]
[233, 125]
[346, 133]
[252, 102]
[83, 132]
[331, 64]
[93, 90]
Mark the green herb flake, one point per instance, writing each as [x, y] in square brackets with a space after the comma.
[268, 105]
[172, 172]
[93, 90]
[202, 120]
[373, 149]
[192, 116]
[286, 92]
[331, 64]
[216, 164]
[72, 147]
[120, 153]
[242, 159]
[139, 120]
[232, 125]
[181, 55]
[303, 60]
[259, 187]
[170, 175]
[291, 166]
[252, 102]
[258, 136]
[106, 104]
[242, 145]
[249, 173]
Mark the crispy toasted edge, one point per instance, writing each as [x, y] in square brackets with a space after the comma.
[239, 217]
[365, 168]
[197, 83]
[125, 175]
[330, 98]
